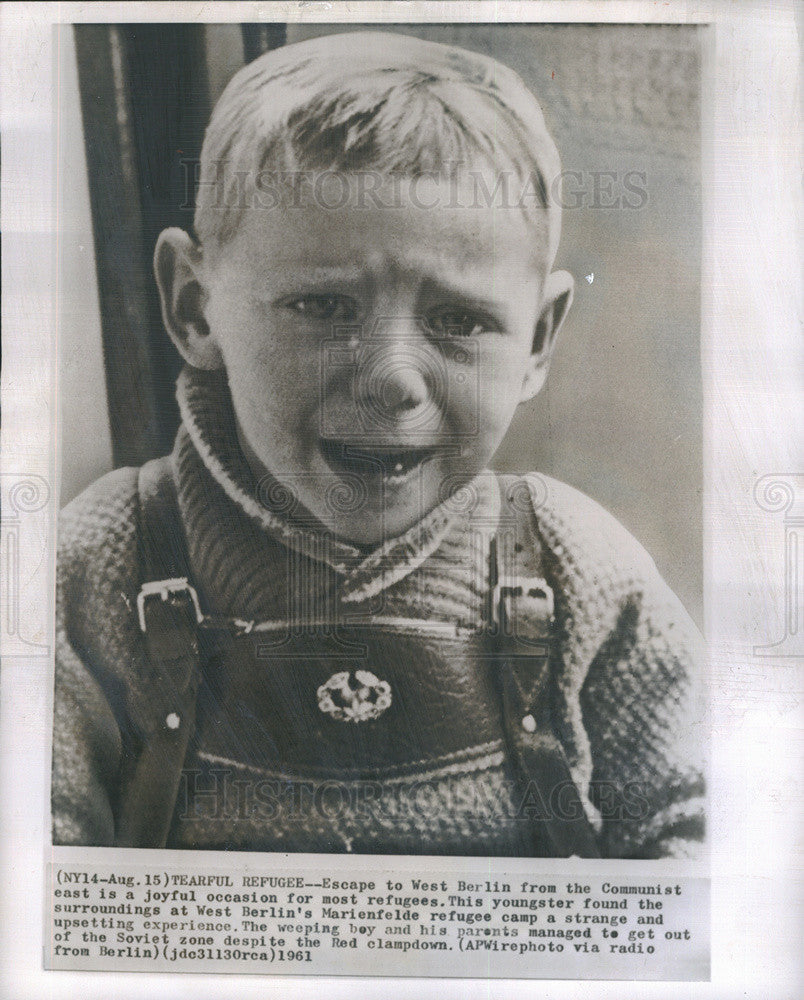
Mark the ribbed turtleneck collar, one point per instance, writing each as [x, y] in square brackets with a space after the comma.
[209, 423]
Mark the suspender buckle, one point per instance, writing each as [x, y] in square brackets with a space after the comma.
[166, 589]
[509, 588]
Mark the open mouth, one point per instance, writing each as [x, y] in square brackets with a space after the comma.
[393, 464]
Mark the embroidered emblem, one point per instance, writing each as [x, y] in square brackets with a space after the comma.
[358, 697]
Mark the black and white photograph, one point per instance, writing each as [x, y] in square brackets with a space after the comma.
[401, 490]
[379, 595]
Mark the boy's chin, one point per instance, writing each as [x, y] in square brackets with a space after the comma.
[367, 521]
[367, 530]
[382, 498]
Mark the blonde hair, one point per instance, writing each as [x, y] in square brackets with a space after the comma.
[371, 101]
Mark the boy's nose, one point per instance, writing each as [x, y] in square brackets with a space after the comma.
[392, 380]
[397, 375]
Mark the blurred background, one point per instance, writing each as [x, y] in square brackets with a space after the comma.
[621, 415]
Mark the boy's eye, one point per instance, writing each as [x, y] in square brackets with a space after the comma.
[324, 307]
[457, 323]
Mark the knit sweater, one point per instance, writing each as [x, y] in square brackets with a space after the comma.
[264, 771]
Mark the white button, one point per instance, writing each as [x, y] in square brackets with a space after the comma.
[529, 724]
[173, 721]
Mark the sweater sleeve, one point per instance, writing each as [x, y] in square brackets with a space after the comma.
[643, 711]
[95, 583]
[629, 708]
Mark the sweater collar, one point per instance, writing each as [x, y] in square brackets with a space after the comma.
[208, 418]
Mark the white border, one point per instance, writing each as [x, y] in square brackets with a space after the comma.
[752, 363]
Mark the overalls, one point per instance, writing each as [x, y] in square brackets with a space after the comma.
[355, 699]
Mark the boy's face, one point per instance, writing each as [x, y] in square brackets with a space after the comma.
[377, 353]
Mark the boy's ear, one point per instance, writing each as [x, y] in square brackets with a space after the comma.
[556, 300]
[177, 267]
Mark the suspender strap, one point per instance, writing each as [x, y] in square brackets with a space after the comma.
[522, 645]
[549, 795]
[165, 711]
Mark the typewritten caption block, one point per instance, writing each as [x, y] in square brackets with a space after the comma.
[268, 916]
